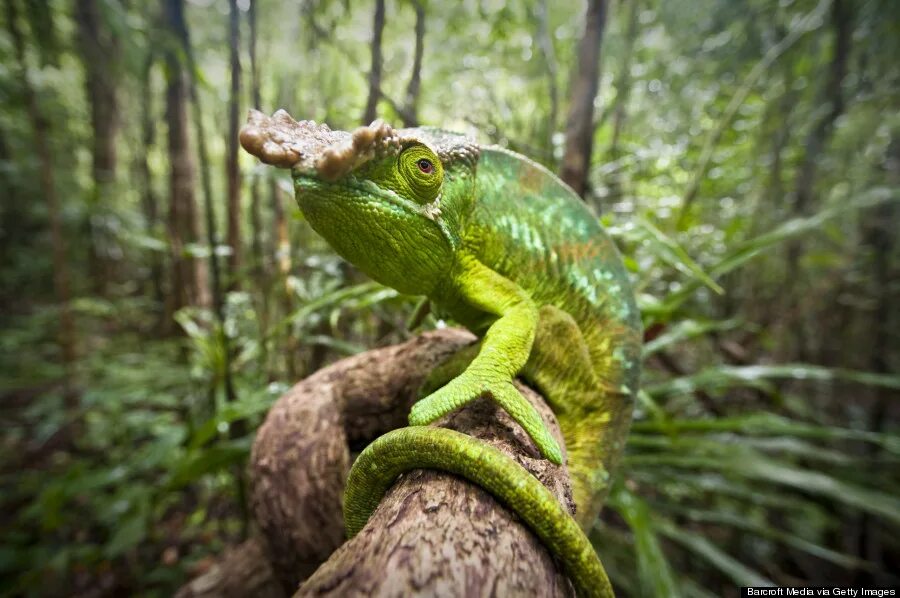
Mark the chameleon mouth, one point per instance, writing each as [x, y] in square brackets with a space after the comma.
[309, 187]
[313, 149]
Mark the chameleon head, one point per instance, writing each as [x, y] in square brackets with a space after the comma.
[389, 201]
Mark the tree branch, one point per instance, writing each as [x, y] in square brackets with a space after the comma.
[432, 531]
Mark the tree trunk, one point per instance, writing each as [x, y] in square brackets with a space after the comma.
[242, 571]
[41, 129]
[237, 427]
[834, 98]
[8, 189]
[435, 533]
[579, 124]
[779, 121]
[188, 274]
[879, 236]
[260, 266]
[282, 260]
[623, 91]
[545, 43]
[41, 18]
[149, 201]
[371, 111]
[259, 262]
[410, 113]
[816, 141]
[282, 240]
[100, 49]
[233, 173]
[783, 110]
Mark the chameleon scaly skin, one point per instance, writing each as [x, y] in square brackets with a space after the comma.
[405, 449]
[502, 246]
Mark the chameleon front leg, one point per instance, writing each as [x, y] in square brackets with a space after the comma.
[449, 369]
[504, 351]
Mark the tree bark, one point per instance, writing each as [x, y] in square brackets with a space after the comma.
[878, 232]
[779, 121]
[410, 113]
[282, 240]
[282, 260]
[100, 50]
[41, 129]
[256, 242]
[188, 274]
[623, 91]
[242, 571]
[545, 43]
[433, 533]
[816, 141]
[149, 201]
[218, 301]
[41, 18]
[579, 124]
[233, 173]
[8, 188]
[371, 110]
[781, 115]
[833, 97]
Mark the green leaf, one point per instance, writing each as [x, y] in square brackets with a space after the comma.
[685, 330]
[615, 547]
[768, 424]
[871, 501]
[198, 463]
[340, 346]
[226, 415]
[329, 300]
[796, 227]
[742, 523]
[652, 407]
[700, 485]
[736, 461]
[654, 573]
[740, 574]
[129, 532]
[725, 377]
[669, 251]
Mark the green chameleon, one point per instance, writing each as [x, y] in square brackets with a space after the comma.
[501, 245]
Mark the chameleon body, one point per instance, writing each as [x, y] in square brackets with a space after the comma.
[502, 246]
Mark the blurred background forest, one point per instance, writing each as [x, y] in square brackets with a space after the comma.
[159, 290]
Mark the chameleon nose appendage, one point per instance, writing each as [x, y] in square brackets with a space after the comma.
[281, 141]
[314, 149]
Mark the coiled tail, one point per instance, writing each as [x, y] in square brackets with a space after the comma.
[421, 447]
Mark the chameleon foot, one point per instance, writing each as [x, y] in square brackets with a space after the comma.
[468, 387]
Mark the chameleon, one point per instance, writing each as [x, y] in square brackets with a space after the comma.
[498, 243]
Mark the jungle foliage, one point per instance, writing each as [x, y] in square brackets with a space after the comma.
[158, 289]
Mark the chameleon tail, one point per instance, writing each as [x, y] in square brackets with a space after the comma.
[416, 447]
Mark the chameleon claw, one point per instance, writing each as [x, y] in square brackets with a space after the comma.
[441, 402]
[461, 391]
[525, 414]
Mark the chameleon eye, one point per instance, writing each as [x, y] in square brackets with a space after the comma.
[425, 165]
[421, 173]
